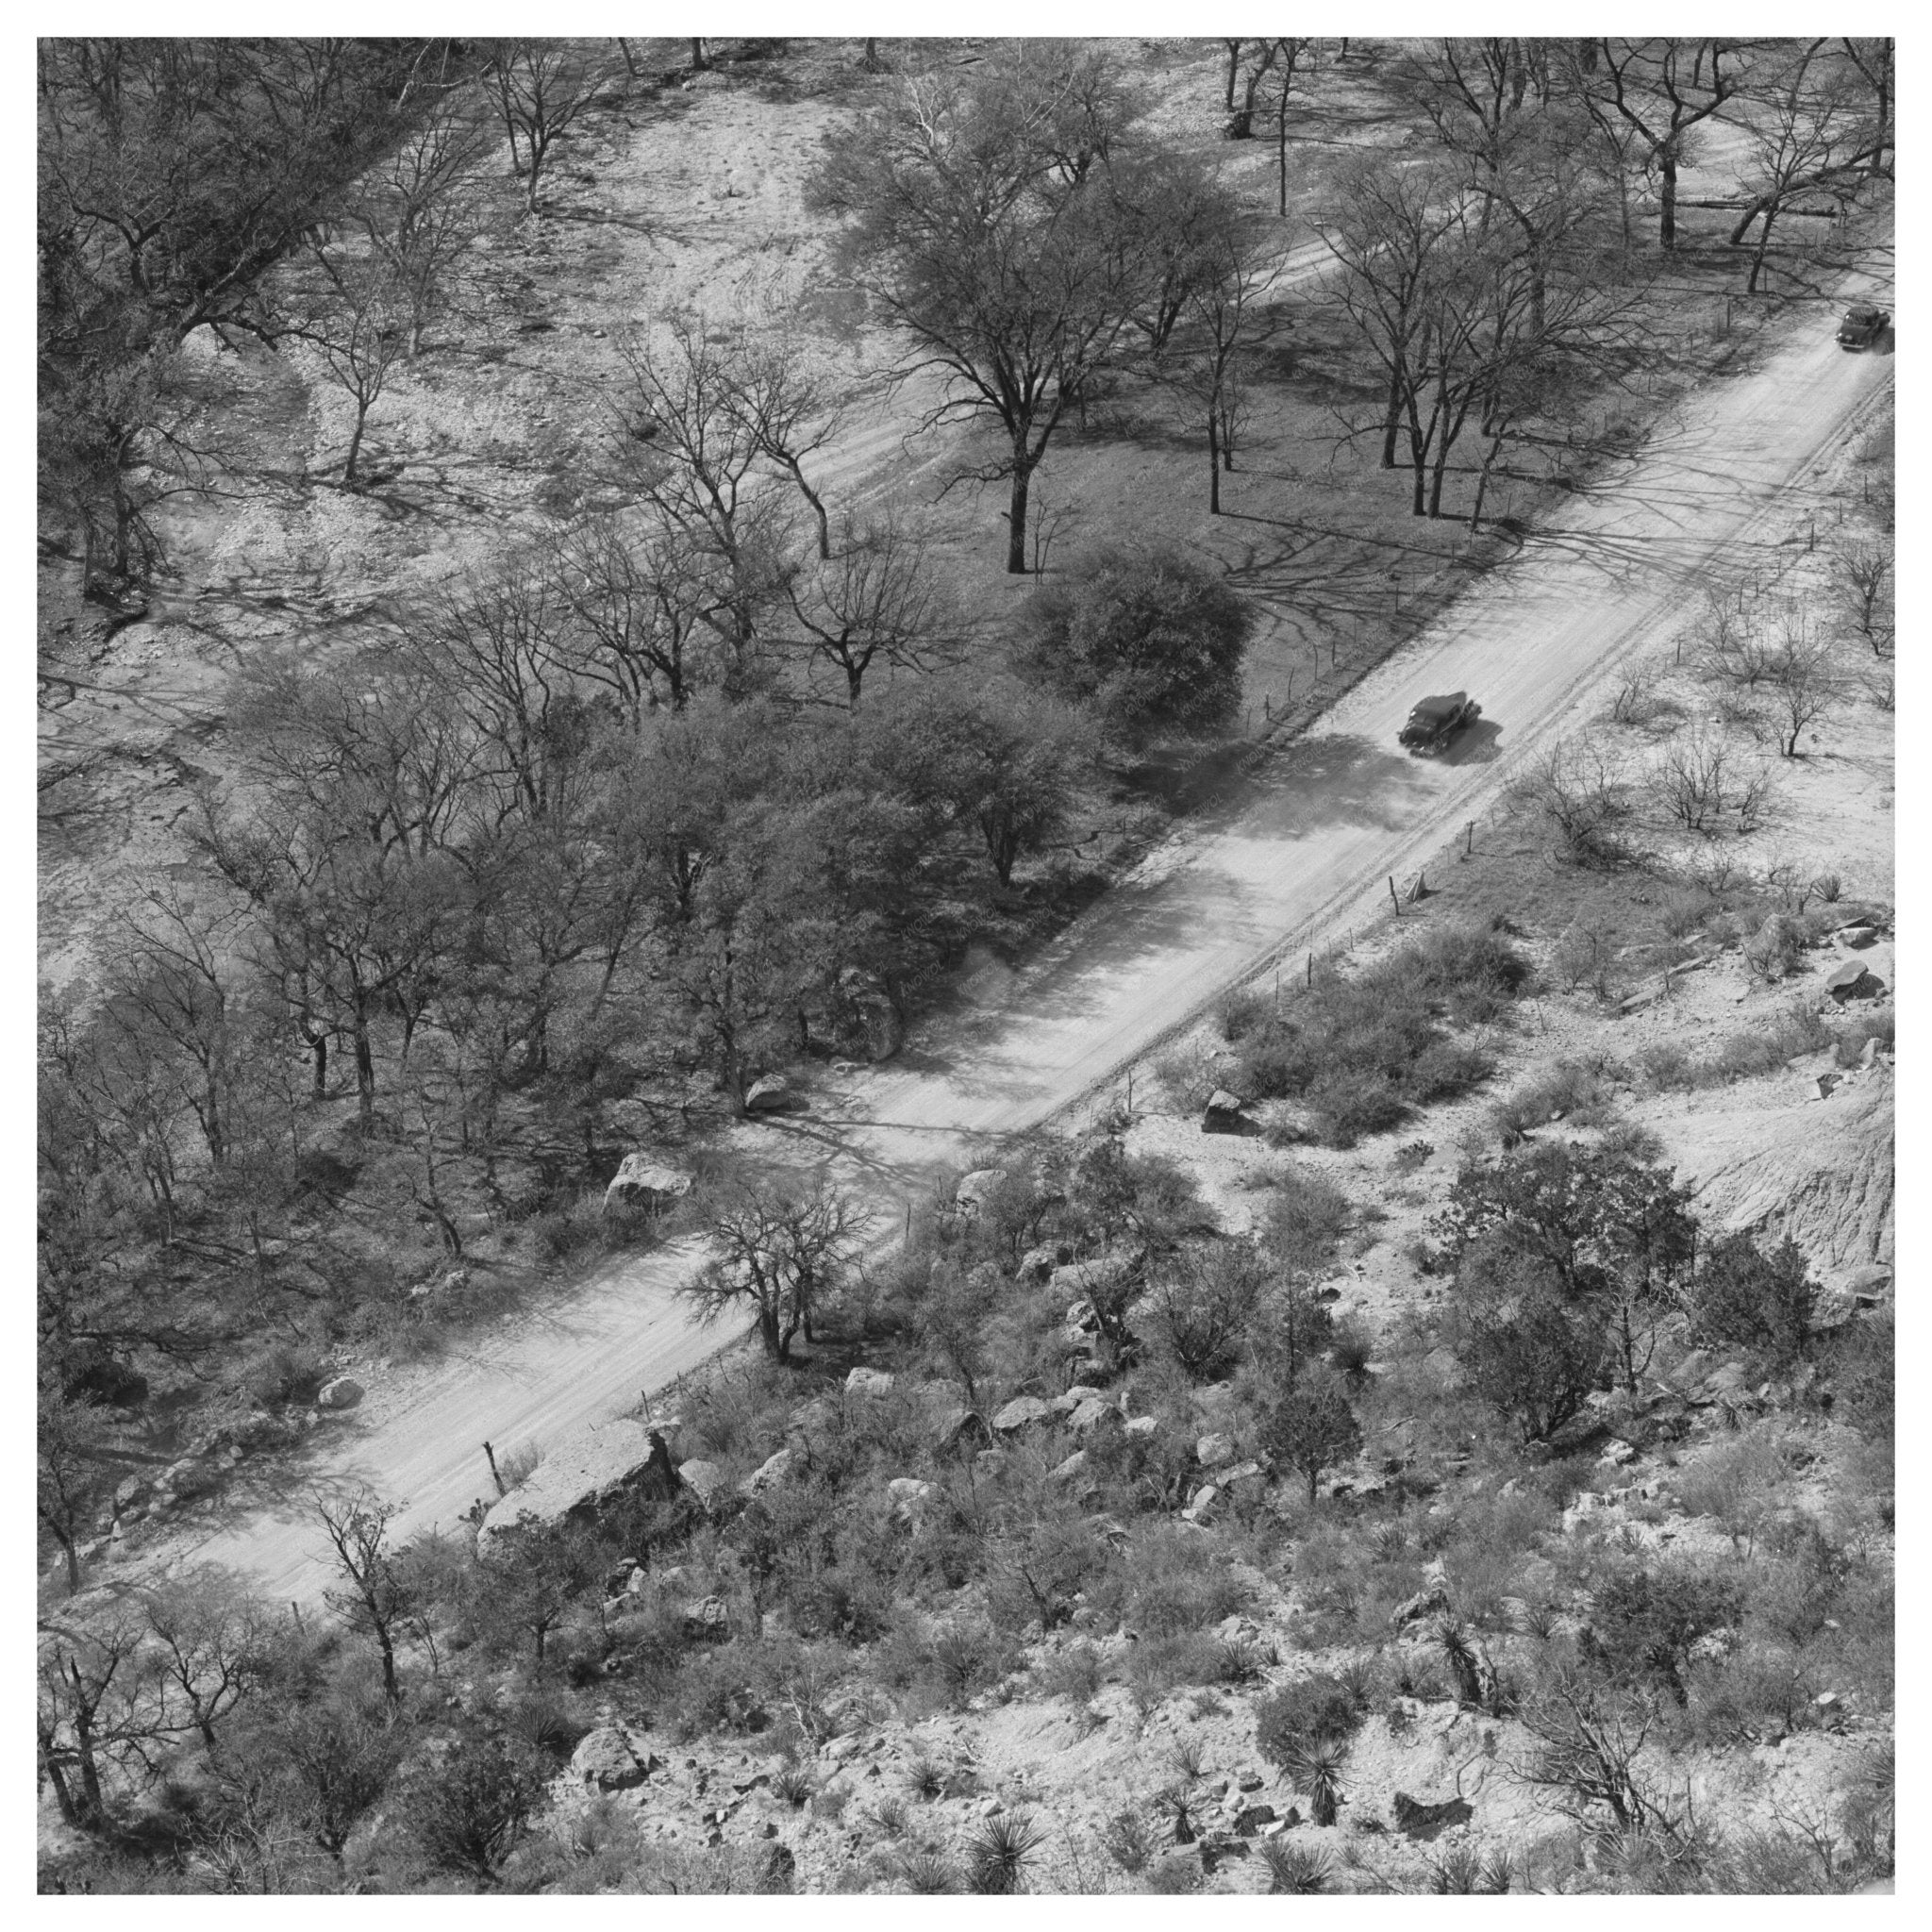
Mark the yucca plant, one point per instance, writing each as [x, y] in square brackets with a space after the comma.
[1237, 1660]
[889, 1815]
[998, 1853]
[927, 1872]
[1295, 1867]
[794, 1786]
[1314, 1768]
[1463, 1870]
[925, 1779]
[1459, 1653]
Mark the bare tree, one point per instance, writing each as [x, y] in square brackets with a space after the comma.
[1861, 572]
[421, 213]
[354, 311]
[543, 87]
[785, 1250]
[1801, 684]
[1814, 130]
[1227, 285]
[649, 603]
[101, 1711]
[1702, 786]
[373, 1597]
[209, 1639]
[1659, 90]
[697, 421]
[1581, 793]
[874, 598]
[1260, 57]
[1290, 55]
[982, 225]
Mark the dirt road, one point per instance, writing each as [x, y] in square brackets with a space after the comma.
[1298, 856]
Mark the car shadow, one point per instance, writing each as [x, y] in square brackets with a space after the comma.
[1474, 744]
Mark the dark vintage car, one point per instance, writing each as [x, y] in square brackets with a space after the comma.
[1436, 721]
[1862, 326]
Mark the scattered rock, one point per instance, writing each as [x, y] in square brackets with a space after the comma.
[1869, 1287]
[1091, 1414]
[868, 1382]
[1212, 1451]
[1854, 980]
[1425, 1820]
[1072, 1467]
[1617, 1451]
[707, 1620]
[770, 1474]
[1023, 1412]
[703, 1478]
[1432, 1600]
[344, 1392]
[1251, 1818]
[643, 1183]
[960, 1425]
[1828, 1084]
[908, 1494]
[1142, 1426]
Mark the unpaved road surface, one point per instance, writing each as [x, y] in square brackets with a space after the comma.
[1299, 854]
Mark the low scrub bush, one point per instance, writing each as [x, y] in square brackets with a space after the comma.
[1302, 1712]
[1308, 1215]
[1361, 1052]
[1572, 1091]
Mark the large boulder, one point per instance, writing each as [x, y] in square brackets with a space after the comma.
[959, 1424]
[605, 1761]
[339, 1391]
[977, 1188]
[868, 1381]
[1037, 1264]
[1023, 1412]
[642, 1182]
[772, 1095]
[1223, 1113]
[588, 1473]
[1085, 1280]
[1214, 1452]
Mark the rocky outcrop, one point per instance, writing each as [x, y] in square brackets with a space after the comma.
[587, 1475]
[342, 1392]
[1422, 1821]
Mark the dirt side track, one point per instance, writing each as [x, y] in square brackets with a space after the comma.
[1298, 858]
